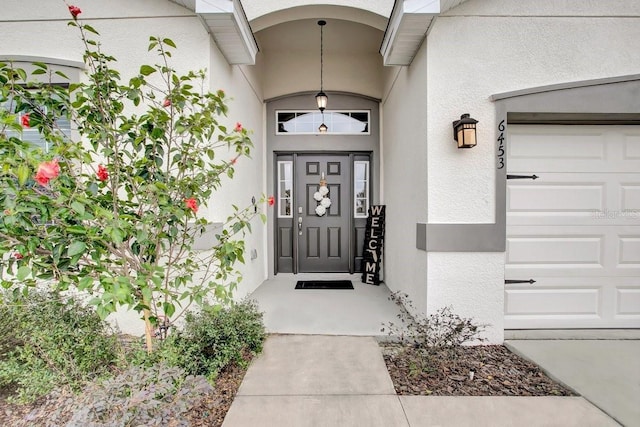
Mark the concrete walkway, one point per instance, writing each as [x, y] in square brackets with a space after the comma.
[341, 381]
[605, 372]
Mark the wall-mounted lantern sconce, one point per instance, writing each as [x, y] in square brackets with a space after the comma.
[464, 131]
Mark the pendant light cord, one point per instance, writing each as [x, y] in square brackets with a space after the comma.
[321, 54]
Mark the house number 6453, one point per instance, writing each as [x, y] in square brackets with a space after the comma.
[501, 145]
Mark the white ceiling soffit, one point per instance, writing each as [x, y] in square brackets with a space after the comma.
[189, 4]
[229, 27]
[408, 25]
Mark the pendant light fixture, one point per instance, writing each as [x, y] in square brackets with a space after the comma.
[321, 97]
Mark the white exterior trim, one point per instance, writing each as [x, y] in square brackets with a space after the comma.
[227, 23]
[408, 25]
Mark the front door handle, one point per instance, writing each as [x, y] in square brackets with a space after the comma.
[300, 225]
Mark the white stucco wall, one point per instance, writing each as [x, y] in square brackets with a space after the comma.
[473, 54]
[246, 107]
[404, 177]
[39, 30]
[291, 58]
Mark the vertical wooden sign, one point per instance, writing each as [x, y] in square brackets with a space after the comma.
[373, 244]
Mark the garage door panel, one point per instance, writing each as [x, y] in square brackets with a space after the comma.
[557, 145]
[574, 199]
[612, 149]
[552, 301]
[575, 230]
[561, 302]
[629, 252]
[557, 197]
[630, 198]
[631, 150]
[628, 302]
[552, 250]
[572, 251]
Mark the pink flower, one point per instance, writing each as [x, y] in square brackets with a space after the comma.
[238, 127]
[271, 200]
[102, 173]
[7, 212]
[75, 11]
[166, 103]
[24, 120]
[192, 204]
[18, 255]
[47, 171]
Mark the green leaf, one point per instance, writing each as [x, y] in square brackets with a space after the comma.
[78, 207]
[90, 29]
[85, 283]
[23, 272]
[117, 236]
[76, 248]
[38, 71]
[168, 308]
[169, 42]
[146, 70]
[23, 174]
[76, 229]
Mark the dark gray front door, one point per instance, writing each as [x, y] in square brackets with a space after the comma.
[323, 241]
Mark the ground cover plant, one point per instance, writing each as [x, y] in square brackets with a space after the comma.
[434, 355]
[190, 380]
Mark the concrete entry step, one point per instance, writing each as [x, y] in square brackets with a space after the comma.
[318, 365]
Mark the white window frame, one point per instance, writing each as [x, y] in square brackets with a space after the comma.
[280, 196]
[327, 115]
[367, 181]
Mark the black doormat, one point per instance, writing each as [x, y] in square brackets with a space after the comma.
[324, 284]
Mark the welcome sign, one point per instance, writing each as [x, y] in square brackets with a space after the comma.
[373, 244]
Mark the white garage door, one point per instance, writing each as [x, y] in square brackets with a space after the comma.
[575, 230]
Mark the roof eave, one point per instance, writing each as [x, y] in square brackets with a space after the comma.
[407, 28]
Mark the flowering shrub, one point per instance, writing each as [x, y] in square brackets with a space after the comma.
[114, 213]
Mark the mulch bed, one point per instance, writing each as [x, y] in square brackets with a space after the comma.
[490, 370]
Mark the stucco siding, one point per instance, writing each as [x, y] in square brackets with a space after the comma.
[405, 178]
[473, 56]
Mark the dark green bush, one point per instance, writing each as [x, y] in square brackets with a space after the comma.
[48, 341]
[212, 339]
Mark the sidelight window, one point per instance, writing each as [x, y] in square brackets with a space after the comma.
[361, 188]
[285, 189]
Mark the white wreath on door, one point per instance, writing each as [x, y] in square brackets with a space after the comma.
[322, 197]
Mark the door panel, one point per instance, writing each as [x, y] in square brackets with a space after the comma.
[323, 244]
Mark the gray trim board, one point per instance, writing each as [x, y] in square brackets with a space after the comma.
[614, 100]
[564, 86]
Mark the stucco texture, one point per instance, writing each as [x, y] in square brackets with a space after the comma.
[404, 176]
